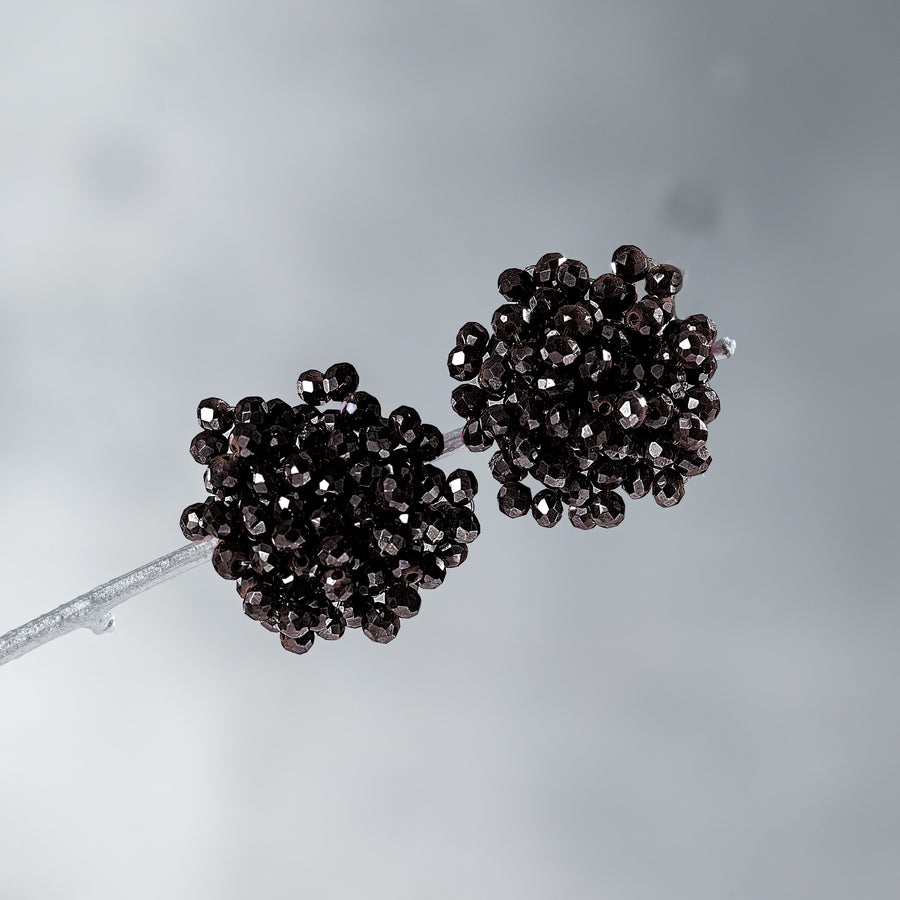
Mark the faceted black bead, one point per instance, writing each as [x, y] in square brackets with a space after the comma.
[191, 522]
[340, 380]
[522, 452]
[630, 410]
[668, 487]
[660, 453]
[431, 484]
[560, 351]
[431, 443]
[287, 533]
[225, 473]
[334, 626]
[601, 402]
[256, 519]
[646, 317]
[612, 295]
[573, 320]
[638, 479]
[214, 414]
[298, 645]
[594, 364]
[694, 462]
[509, 323]
[607, 474]
[468, 400]
[550, 470]
[703, 401]
[593, 430]
[311, 387]
[206, 445]
[453, 554]
[689, 431]
[524, 358]
[355, 610]
[361, 408]
[660, 410]
[496, 347]
[473, 334]
[403, 600]
[461, 525]
[379, 441]
[264, 558]
[221, 521]
[578, 490]
[545, 270]
[527, 409]
[390, 538]
[503, 470]
[607, 509]
[691, 349]
[703, 325]
[496, 420]
[298, 469]
[630, 263]
[406, 568]
[433, 573]
[337, 584]
[580, 517]
[475, 437]
[250, 411]
[228, 560]
[663, 280]
[406, 424]
[514, 499]
[572, 277]
[703, 373]
[279, 414]
[246, 441]
[462, 486]
[381, 625]
[516, 285]
[464, 362]
[547, 507]
[560, 420]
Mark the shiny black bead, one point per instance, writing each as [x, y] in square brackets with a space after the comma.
[630, 263]
[298, 469]
[580, 517]
[663, 280]
[246, 441]
[573, 320]
[668, 488]
[464, 362]
[287, 533]
[406, 424]
[379, 441]
[264, 558]
[689, 431]
[638, 479]
[453, 554]
[550, 470]
[516, 285]
[607, 509]
[509, 323]
[703, 401]
[560, 351]
[340, 380]
[560, 420]
[503, 470]
[524, 359]
[578, 490]
[403, 600]
[522, 452]
[545, 269]
[496, 421]
[431, 443]
[431, 483]
[594, 363]
[572, 277]
[514, 499]
[191, 522]
[334, 626]
[630, 410]
[660, 410]
[547, 507]
[703, 325]
[492, 375]
[221, 521]
[214, 414]
[474, 335]
[380, 625]
[690, 349]
[607, 473]
[207, 445]
[468, 400]
[229, 561]
[694, 462]
[311, 387]
[612, 295]
[462, 486]
[337, 584]
[703, 373]
[297, 645]
[461, 525]
[256, 519]
[361, 408]
[646, 317]
[250, 411]
[660, 453]
[390, 538]
[433, 573]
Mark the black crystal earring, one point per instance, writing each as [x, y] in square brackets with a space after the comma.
[588, 388]
[335, 518]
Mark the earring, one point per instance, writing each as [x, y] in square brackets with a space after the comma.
[330, 517]
[588, 388]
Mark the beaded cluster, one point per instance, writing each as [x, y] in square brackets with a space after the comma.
[328, 518]
[588, 388]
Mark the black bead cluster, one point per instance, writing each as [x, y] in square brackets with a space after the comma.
[328, 518]
[588, 387]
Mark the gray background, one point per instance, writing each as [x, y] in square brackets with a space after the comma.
[205, 198]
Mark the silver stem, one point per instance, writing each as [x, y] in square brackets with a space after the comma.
[93, 609]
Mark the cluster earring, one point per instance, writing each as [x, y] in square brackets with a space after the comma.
[329, 515]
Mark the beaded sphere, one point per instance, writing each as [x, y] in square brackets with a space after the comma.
[588, 387]
[329, 518]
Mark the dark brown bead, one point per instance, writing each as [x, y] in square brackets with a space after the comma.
[660, 410]
[703, 325]
[630, 263]
[310, 387]
[464, 362]
[214, 414]
[659, 453]
[514, 499]
[468, 400]
[690, 349]
[380, 624]
[453, 554]
[503, 470]
[630, 410]
[663, 280]
[572, 277]
[607, 509]
[573, 320]
[547, 507]
[298, 645]
[340, 380]
[191, 522]
[646, 317]
[475, 437]
[545, 270]
[694, 462]
[228, 560]
[207, 445]
[638, 479]
[668, 488]
[403, 600]
[250, 411]
[689, 431]
[473, 334]
[492, 375]
[612, 295]
[516, 285]
[509, 323]
[560, 351]
[581, 518]
[703, 401]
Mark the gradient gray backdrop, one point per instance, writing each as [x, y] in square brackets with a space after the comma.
[207, 197]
